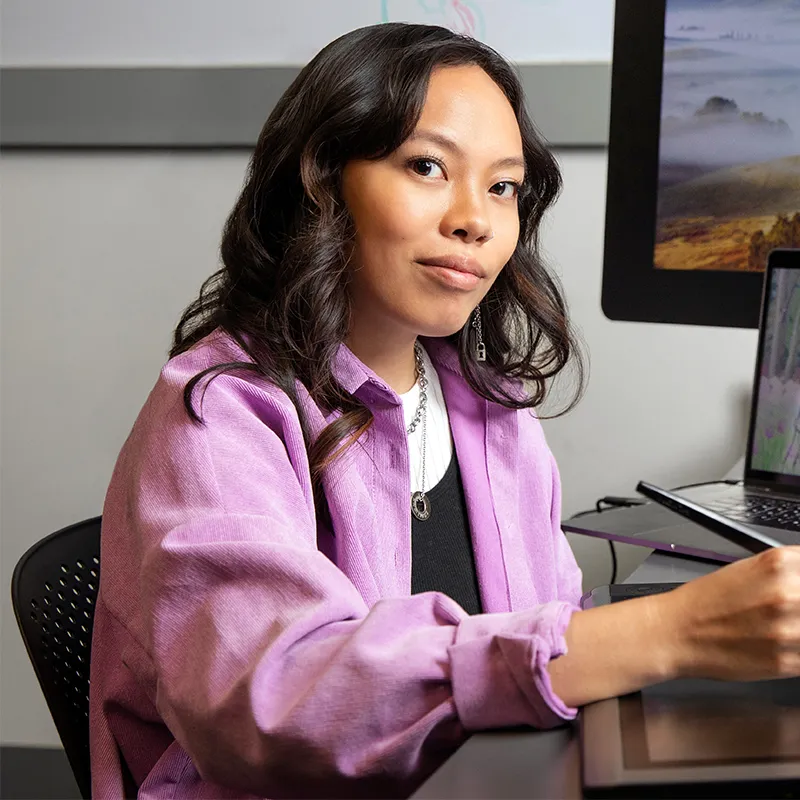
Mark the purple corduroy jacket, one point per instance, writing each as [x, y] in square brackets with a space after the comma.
[243, 648]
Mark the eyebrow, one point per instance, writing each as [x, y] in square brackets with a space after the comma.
[448, 144]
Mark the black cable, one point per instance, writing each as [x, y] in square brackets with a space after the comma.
[613, 550]
[731, 481]
[614, 564]
[604, 504]
[612, 501]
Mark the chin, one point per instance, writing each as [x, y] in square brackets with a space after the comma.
[442, 328]
[437, 317]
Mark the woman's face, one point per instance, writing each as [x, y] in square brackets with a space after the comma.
[437, 219]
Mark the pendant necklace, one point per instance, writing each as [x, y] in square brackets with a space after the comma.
[420, 504]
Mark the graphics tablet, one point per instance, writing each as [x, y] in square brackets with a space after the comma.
[693, 738]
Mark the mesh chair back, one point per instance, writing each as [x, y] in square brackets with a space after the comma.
[53, 591]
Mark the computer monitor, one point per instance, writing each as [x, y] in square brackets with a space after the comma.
[704, 157]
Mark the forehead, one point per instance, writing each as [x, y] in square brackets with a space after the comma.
[466, 105]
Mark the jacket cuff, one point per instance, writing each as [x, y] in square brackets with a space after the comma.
[499, 668]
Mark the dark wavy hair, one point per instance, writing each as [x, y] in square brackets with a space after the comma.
[282, 292]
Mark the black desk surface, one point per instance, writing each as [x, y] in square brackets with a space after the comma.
[535, 764]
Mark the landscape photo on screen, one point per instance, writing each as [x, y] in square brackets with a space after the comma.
[729, 149]
[776, 434]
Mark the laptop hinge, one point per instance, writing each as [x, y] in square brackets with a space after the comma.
[788, 493]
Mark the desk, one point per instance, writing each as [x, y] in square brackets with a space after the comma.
[536, 764]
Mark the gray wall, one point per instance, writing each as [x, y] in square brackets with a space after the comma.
[101, 251]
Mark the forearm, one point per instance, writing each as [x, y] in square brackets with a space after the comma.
[296, 680]
[616, 649]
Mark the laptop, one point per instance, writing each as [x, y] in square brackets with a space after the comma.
[768, 499]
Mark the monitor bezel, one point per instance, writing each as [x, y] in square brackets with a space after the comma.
[633, 289]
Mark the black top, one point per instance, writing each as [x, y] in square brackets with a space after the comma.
[441, 547]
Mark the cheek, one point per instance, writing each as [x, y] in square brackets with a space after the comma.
[513, 239]
[391, 215]
[506, 238]
[383, 227]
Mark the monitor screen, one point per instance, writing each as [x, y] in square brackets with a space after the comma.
[704, 157]
[729, 145]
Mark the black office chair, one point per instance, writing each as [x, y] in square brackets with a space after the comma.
[53, 592]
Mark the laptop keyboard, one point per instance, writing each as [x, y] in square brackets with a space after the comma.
[772, 512]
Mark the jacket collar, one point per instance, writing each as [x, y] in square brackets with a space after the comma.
[443, 353]
[353, 374]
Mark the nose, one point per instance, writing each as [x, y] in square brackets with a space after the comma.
[467, 217]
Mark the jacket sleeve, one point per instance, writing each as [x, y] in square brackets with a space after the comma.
[271, 671]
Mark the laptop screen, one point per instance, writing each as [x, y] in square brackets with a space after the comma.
[774, 442]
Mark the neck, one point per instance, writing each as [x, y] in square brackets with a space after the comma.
[391, 358]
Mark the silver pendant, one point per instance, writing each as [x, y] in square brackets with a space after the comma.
[480, 351]
[420, 506]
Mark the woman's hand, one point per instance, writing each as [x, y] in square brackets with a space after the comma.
[741, 622]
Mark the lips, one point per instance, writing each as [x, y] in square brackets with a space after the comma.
[465, 264]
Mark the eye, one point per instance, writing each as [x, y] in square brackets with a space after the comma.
[426, 167]
[506, 189]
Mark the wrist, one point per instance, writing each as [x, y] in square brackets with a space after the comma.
[617, 649]
[671, 628]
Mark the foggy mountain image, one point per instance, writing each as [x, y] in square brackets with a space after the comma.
[729, 149]
[772, 187]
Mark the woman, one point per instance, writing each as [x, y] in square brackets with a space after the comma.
[331, 544]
